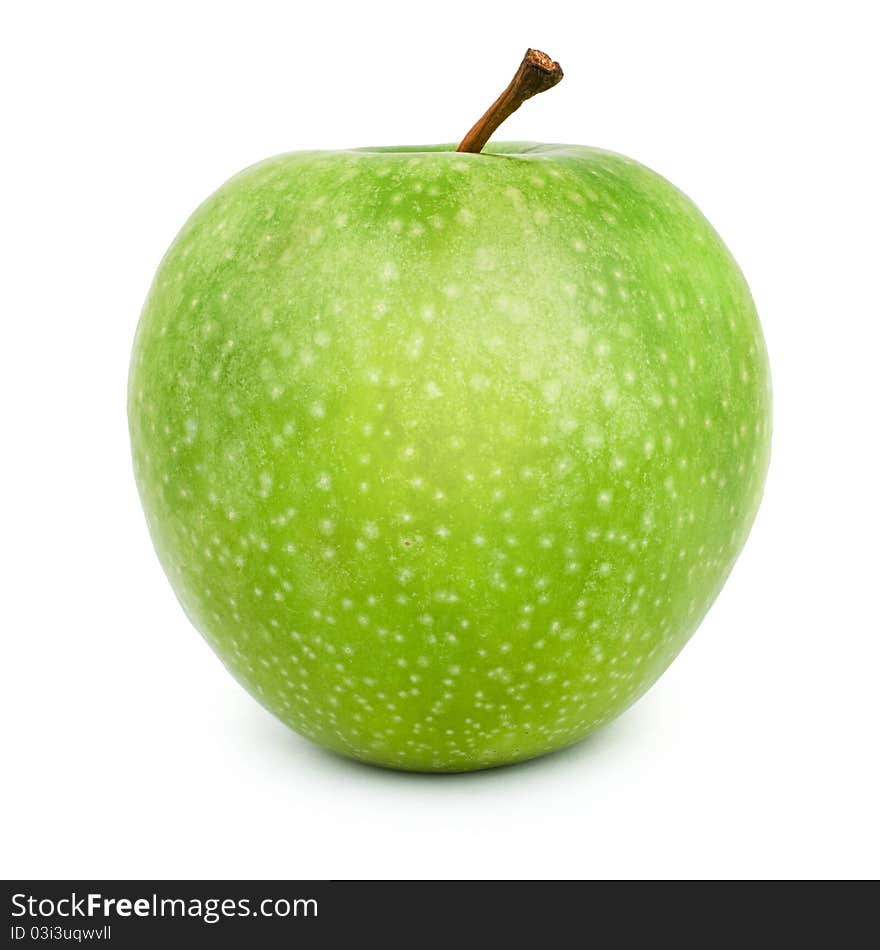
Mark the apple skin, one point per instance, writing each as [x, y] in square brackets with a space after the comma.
[447, 455]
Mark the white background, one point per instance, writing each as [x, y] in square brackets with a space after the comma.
[128, 750]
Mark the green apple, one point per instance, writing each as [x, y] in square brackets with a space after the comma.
[447, 454]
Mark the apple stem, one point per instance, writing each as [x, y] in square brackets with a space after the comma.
[536, 73]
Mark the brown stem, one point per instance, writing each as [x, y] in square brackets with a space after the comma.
[536, 73]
